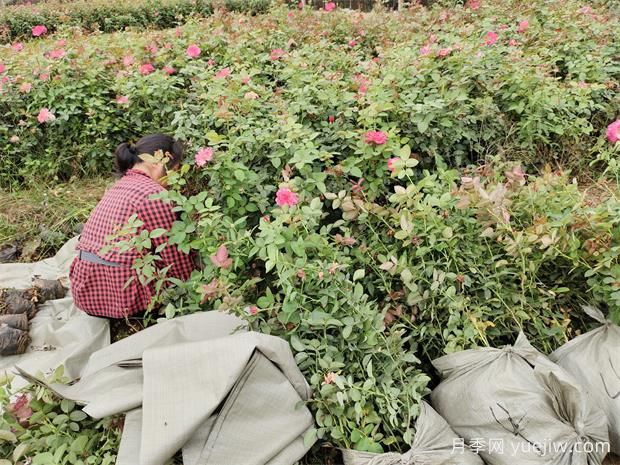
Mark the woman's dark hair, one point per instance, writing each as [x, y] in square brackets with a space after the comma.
[127, 155]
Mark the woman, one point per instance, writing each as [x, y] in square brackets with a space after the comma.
[104, 284]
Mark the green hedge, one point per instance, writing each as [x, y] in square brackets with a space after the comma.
[546, 99]
[16, 22]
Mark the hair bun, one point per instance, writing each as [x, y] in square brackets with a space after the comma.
[133, 149]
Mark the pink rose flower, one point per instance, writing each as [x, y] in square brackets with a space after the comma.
[17, 47]
[122, 99]
[301, 274]
[193, 51]
[331, 119]
[444, 52]
[285, 196]
[523, 25]
[425, 50]
[276, 54]
[330, 6]
[203, 155]
[330, 378]
[44, 77]
[146, 69]
[128, 60]
[391, 162]
[474, 4]
[251, 310]
[490, 38]
[245, 79]
[61, 43]
[45, 116]
[210, 62]
[169, 70]
[513, 43]
[352, 43]
[57, 53]
[2, 68]
[223, 73]
[221, 259]
[25, 87]
[613, 132]
[19, 407]
[39, 30]
[376, 137]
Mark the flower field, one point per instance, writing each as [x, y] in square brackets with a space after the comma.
[378, 188]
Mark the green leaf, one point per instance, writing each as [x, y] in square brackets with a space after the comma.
[355, 171]
[239, 174]
[170, 311]
[7, 436]
[359, 274]
[405, 152]
[310, 437]
[158, 232]
[45, 458]
[78, 415]
[67, 405]
[60, 419]
[297, 344]
[79, 444]
[20, 451]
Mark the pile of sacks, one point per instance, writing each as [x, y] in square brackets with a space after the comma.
[18, 307]
[516, 406]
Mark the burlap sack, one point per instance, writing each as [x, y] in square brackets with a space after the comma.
[516, 407]
[594, 360]
[434, 444]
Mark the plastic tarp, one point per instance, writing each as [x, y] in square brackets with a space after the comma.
[203, 384]
[60, 332]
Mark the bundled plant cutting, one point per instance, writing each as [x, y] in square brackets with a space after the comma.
[17, 307]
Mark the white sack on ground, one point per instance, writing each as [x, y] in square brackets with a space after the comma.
[61, 333]
[435, 443]
[594, 360]
[515, 406]
[191, 384]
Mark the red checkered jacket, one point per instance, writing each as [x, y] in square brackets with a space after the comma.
[103, 290]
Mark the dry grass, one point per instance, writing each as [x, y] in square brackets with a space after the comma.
[41, 219]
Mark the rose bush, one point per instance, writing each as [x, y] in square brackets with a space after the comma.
[38, 428]
[289, 87]
[21, 22]
[369, 290]
[320, 187]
